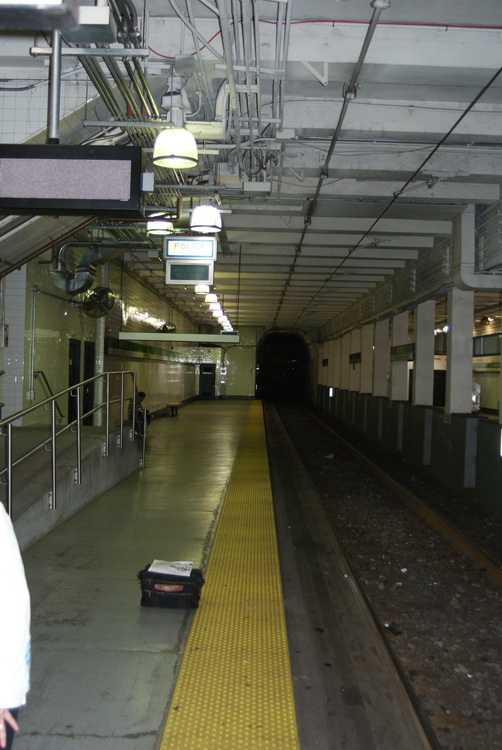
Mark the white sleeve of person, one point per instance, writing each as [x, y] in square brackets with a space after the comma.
[14, 619]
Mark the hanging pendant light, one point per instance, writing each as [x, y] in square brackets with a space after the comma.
[201, 289]
[158, 225]
[175, 148]
[205, 218]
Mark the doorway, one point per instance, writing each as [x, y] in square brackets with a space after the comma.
[74, 359]
[89, 371]
[207, 381]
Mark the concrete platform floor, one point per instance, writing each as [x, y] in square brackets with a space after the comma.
[103, 668]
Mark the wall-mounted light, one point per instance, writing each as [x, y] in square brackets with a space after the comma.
[205, 218]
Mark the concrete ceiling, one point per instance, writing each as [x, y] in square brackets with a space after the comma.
[339, 139]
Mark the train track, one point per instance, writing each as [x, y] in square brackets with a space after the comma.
[483, 561]
[350, 688]
[421, 580]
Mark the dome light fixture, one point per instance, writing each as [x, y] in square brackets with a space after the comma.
[201, 289]
[175, 146]
[159, 225]
[205, 218]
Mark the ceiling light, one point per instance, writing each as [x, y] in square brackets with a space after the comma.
[214, 306]
[212, 297]
[201, 288]
[205, 218]
[175, 148]
[159, 225]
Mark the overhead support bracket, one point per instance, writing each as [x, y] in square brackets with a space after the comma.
[90, 52]
[321, 77]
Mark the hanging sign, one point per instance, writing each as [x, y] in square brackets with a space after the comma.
[190, 247]
[190, 271]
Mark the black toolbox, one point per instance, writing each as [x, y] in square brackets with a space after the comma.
[175, 591]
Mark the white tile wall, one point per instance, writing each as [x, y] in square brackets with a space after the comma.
[24, 112]
[13, 381]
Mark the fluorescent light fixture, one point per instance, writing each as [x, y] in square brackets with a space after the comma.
[212, 297]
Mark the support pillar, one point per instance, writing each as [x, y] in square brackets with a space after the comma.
[337, 364]
[355, 369]
[459, 352]
[423, 368]
[367, 337]
[399, 370]
[381, 359]
[345, 362]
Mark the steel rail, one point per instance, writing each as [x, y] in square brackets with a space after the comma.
[483, 561]
[281, 444]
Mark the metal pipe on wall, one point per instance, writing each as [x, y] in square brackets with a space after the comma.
[54, 87]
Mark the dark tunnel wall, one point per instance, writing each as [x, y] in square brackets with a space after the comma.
[283, 367]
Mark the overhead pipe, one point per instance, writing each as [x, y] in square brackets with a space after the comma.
[256, 39]
[227, 49]
[464, 271]
[349, 95]
[54, 87]
[252, 99]
[198, 55]
[84, 278]
[48, 246]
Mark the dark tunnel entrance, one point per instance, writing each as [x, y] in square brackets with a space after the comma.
[283, 367]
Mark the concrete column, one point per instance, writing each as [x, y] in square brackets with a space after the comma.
[459, 352]
[367, 338]
[320, 371]
[337, 363]
[399, 370]
[423, 372]
[381, 359]
[345, 375]
[500, 404]
[355, 370]
[323, 374]
[331, 362]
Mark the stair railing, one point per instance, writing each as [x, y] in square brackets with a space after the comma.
[50, 404]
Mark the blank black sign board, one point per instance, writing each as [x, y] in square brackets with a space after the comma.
[74, 180]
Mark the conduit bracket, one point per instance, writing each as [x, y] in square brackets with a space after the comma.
[321, 77]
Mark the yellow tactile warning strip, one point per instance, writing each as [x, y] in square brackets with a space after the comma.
[234, 688]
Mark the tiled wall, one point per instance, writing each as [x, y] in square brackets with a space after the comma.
[42, 318]
[23, 104]
[12, 382]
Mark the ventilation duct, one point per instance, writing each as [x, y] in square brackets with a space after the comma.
[464, 271]
[82, 280]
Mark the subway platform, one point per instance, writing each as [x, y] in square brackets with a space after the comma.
[108, 674]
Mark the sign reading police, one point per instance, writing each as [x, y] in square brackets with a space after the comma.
[190, 247]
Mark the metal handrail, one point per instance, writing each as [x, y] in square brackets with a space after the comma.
[43, 378]
[74, 426]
